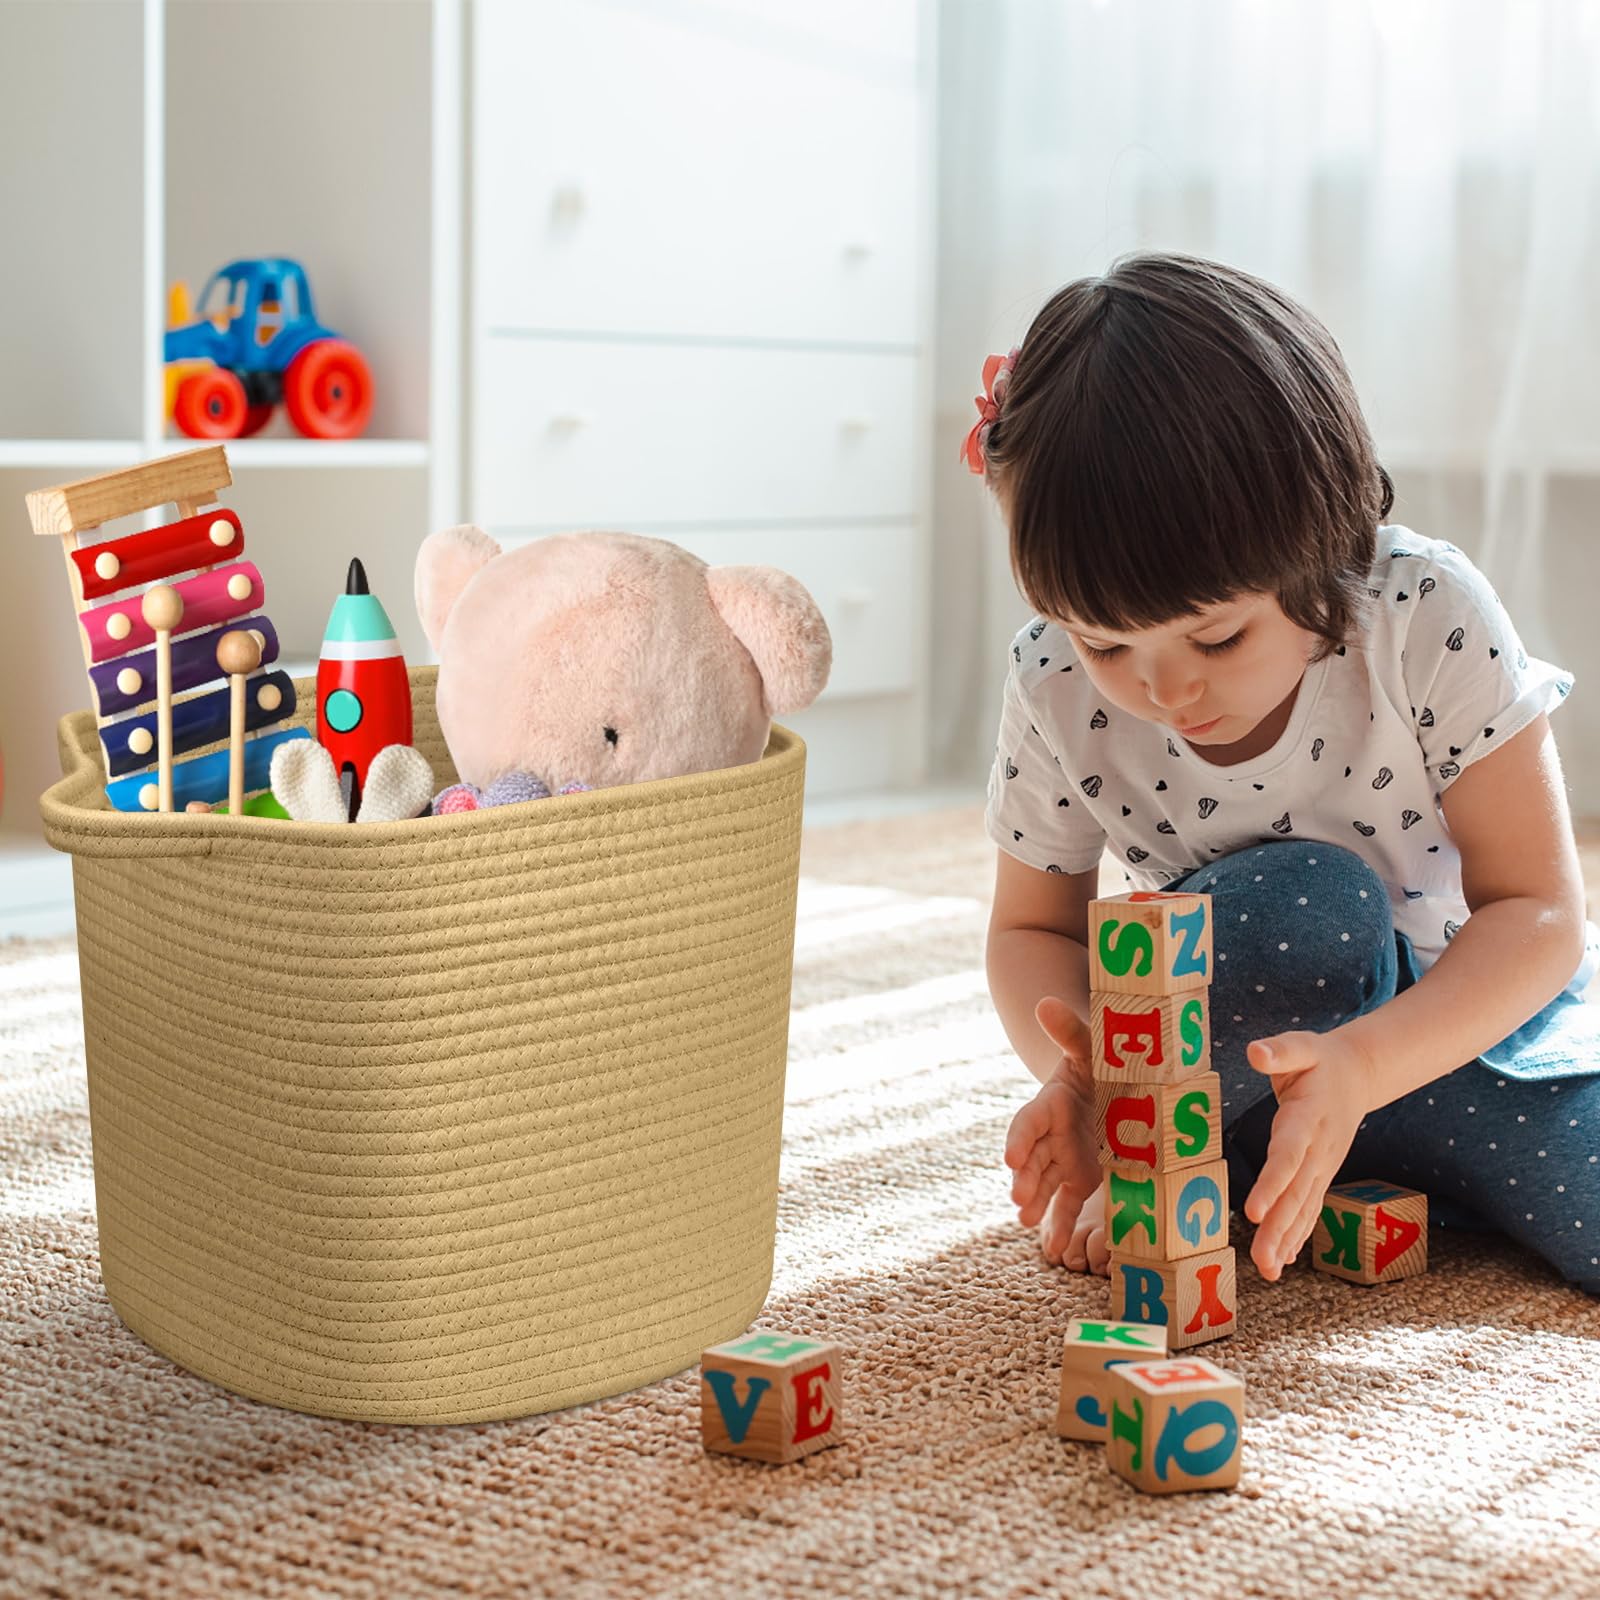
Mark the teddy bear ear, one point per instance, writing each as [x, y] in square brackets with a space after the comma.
[445, 564]
[774, 617]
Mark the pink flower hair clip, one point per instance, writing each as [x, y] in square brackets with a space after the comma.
[996, 377]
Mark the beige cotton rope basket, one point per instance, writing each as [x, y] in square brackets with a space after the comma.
[438, 1121]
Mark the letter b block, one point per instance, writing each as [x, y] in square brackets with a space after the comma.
[769, 1396]
[1148, 942]
[1162, 1216]
[1371, 1232]
[1174, 1424]
[1193, 1299]
[1159, 1127]
[1091, 1348]
[1152, 1038]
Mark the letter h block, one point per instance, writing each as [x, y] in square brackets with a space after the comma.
[1371, 1232]
[1174, 1425]
[1091, 1349]
[770, 1396]
[1150, 943]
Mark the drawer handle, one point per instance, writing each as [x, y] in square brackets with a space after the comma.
[858, 423]
[568, 203]
[856, 598]
[570, 421]
[857, 250]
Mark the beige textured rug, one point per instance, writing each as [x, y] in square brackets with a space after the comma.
[1435, 1438]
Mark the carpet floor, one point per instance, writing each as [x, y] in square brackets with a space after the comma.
[1437, 1438]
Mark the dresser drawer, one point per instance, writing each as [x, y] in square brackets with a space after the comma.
[634, 173]
[588, 433]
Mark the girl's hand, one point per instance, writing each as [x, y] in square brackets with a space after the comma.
[1324, 1087]
[1051, 1141]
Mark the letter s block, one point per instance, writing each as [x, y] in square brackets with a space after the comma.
[1149, 942]
[1159, 1127]
[1194, 1299]
[1162, 1216]
[1091, 1348]
[1174, 1425]
[1371, 1232]
[770, 1396]
[1149, 1038]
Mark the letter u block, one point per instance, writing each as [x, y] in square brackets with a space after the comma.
[1091, 1349]
[1193, 1299]
[1150, 1038]
[1149, 942]
[1371, 1232]
[1174, 1425]
[1158, 1127]
[770, 1396]
[1163, 1216]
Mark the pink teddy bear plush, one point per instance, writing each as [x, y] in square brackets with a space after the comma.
[585, 660]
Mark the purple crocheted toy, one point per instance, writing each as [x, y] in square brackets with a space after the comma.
[507, 790]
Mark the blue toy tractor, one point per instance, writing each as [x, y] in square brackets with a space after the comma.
[257, 341]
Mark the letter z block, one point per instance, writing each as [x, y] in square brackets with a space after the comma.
[1193, 1299]
[1159, 1127]
[1150, 942]
[770, 1396]
[1091, 1348]
[1149, 1038]
[1163, 1216]
[1175, 1425]
[1371, 1232]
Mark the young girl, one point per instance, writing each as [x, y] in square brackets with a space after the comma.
[1247, 684]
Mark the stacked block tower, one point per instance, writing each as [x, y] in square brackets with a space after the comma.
[1158, 1115]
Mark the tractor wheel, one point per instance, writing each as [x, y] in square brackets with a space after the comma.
[328, 390]
[255, 419]
[211, 405]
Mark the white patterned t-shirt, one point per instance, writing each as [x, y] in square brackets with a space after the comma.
[1378, 731]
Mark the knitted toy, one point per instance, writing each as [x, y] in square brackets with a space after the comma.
[398, 784]
[586, 660]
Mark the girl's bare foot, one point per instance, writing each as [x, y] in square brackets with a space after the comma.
[1079, 1244]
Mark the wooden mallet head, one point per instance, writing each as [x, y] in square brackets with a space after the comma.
[161, 608]
[238, 651]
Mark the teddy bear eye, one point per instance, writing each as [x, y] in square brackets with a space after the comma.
[611, 735]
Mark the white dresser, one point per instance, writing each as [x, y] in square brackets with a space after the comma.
[701, 293]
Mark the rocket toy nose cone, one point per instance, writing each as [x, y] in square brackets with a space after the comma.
[356, 579]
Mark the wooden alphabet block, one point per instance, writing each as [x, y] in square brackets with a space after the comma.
[1371, 1232]
[1158, 1127]
[1149, 942]
[1175, 1424]
[1091, 1348]
[770, 1396]
[1153, 1038]
[1163, 1216]
[1193, 1298]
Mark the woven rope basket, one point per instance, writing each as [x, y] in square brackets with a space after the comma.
[438, 1121]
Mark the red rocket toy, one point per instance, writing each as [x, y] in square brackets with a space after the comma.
[363, 691]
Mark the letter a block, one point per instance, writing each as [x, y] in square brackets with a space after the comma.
[1150, 1127]
[769, 1396]
[1164, 1216]
[1174, 1424]
[1151, 1038]
[1371, 1232]
[1092, 1348]
[1148, 942]
[1193, 1299]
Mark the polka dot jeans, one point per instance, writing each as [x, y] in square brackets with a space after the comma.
[1303, 937]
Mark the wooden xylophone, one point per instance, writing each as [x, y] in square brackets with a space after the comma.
[152, 610]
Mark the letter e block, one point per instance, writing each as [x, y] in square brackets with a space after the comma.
[1162, 1216]
[1371, 1232]
[1150, 942]
[770, 1396]
[1091, 1347]
[1159, 1127]
[1193, 1299]
[1149, 1038]
[1174, 1425]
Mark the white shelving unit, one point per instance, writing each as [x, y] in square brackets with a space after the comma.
[327, 130]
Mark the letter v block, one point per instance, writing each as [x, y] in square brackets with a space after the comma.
[1371, 1232]
[1193, 1299]
[1159, 1127]
[1175, 1425]
[1150, 942]
[1149, 1038]
[770, 1396]
[1162, 1216]
[1091, 1348]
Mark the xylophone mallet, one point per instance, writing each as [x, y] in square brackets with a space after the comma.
[162, 609]
[238, 655]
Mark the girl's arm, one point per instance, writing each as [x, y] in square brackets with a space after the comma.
[1522, 881]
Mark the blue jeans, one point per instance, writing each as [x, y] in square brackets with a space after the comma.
[1513, 1147]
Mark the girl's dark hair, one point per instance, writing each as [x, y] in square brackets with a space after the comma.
[1177, 433]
